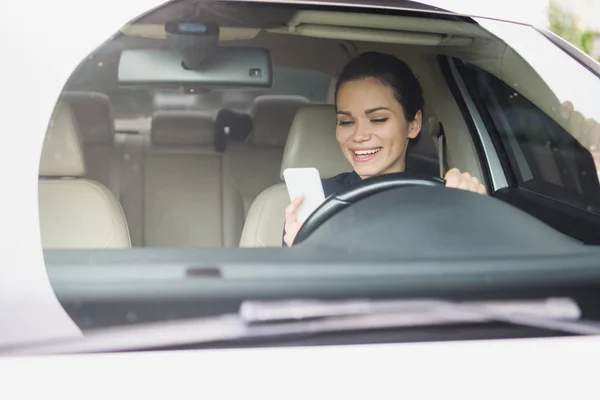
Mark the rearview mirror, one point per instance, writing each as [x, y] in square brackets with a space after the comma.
[227, 66]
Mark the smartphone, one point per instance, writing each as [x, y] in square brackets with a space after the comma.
[305, 181]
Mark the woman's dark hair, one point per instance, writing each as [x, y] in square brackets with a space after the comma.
[390, 70]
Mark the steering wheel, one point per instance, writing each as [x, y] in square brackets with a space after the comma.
[369, 187]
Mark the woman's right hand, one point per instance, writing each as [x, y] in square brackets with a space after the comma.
[292, 226]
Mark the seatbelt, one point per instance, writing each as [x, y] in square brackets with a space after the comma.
[441, 144]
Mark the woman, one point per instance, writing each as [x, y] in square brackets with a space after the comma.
[379, 107]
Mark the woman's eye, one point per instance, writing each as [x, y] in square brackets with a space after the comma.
[344, 123]
[379, 120]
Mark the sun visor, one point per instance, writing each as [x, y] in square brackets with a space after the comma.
[381, 28]
[227, 66]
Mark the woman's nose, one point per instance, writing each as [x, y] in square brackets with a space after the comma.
[360, 134]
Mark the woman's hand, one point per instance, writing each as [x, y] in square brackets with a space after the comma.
[455, 179]
[292, 226]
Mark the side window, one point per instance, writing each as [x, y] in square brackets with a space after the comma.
[543, 157]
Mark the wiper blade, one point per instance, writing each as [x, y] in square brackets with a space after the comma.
[558, 314]
[279, 311]
[278, 319]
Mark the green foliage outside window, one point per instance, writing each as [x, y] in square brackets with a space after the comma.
[564, 25]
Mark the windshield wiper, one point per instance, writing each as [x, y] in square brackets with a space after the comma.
[278, 311]
[558, 314]
[278, 319]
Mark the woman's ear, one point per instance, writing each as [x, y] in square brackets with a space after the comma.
[414, 126]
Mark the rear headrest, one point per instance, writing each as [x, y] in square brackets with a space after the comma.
[182, 128]
[272, 117]
[93, 115]
[62, 154]
[312, 142]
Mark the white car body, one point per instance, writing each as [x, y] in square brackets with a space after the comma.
[32, 34]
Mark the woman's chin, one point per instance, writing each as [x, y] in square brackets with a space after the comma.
[367, 171]
[370, 169]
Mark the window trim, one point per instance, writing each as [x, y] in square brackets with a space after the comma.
[489, 156]
[518, 154]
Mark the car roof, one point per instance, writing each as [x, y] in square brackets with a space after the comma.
[278, 10]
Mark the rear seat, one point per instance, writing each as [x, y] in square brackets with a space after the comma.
[197, 196]
[174, 187]
[182, 182]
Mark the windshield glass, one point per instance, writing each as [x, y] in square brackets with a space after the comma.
[214, 152]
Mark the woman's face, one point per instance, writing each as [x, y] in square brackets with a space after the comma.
[371, 128]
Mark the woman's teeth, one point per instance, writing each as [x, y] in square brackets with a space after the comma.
[366, 152]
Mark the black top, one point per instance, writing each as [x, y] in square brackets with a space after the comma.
[334, 185]
[340, 182]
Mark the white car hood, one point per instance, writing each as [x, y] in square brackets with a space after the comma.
[500, 369]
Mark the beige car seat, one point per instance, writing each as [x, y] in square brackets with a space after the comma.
[74, 212]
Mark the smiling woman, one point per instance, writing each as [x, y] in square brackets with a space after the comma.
[379, 107]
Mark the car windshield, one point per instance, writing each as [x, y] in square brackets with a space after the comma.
[212, 153]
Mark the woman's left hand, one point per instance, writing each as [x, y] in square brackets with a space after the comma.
[463, 180]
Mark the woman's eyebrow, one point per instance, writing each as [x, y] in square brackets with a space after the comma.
[343, 112]
[372, 110]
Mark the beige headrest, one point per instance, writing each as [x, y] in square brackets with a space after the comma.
[62, 154]
[182, 128]
[93, 115]
[272, 117]
[312, 143]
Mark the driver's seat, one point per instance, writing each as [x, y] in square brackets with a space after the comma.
[311, 143]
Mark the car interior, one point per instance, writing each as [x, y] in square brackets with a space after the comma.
[193, 176]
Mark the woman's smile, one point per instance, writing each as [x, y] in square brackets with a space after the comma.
[366, 154]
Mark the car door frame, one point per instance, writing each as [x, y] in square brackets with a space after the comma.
[569, 219]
